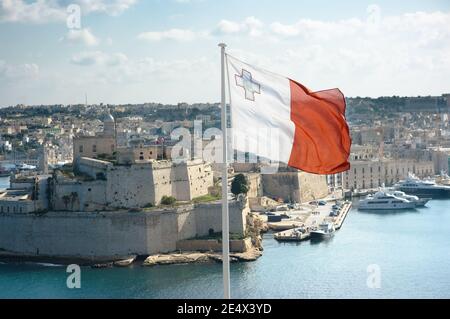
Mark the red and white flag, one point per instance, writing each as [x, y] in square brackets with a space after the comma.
[279, 119]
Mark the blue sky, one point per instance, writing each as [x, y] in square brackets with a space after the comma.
[130, 51]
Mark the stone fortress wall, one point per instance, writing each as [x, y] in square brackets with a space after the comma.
[112, 235]
[111, 186]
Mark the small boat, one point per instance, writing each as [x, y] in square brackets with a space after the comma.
[382, 200]
[125, 262]
[295, 234]
[325, 230]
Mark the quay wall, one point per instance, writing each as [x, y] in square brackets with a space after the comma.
[110, 235]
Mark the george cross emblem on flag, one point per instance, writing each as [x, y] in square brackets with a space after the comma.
[250, 87]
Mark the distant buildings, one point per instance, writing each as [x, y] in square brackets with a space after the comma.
[365, 174]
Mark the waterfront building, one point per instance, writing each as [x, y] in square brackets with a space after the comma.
[365, 174]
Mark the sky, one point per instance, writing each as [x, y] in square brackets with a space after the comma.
[136, 51]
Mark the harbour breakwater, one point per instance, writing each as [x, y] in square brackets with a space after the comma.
[107, 236]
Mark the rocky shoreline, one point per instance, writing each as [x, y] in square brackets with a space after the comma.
[198, 257]
[152, 260]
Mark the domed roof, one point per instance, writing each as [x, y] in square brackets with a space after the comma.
[108, 118]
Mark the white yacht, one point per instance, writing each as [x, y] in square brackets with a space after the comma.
[415, 186]
[420, 202]
[384, 201]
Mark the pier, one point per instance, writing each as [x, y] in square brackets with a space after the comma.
[316, 216]
[339, 220]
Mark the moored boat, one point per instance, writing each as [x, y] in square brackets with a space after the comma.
[420, 202]
[421, 188]
[325, 230]
[382, 200]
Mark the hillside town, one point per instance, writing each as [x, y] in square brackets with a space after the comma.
[109, 167]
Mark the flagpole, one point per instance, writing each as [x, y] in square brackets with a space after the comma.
[225, 216]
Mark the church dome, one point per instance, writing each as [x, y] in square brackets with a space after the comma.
[108, 118]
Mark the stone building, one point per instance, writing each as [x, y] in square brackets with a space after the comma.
[128, 155]
[103, 143]
[365, 174]
[26, 194]
[294, 186]
[100, 185]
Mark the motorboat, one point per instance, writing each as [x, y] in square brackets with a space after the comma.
[383, 200]
[422, 188]
[325, 230]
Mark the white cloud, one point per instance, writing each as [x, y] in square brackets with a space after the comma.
[406, 54]
[35, 12]
[181, 35]
[110, 7]
[226, 26]
[99, 58]
[83, 36]
[18, 71]
[188, 1]
[284, 30]
[250, 26]
[45, 11]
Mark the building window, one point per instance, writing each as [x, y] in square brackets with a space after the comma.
[94, 148]
[81, 148]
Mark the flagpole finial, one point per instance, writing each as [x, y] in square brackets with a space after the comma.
[222, 45]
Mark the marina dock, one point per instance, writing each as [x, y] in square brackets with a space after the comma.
[318, 215]
[342, 215]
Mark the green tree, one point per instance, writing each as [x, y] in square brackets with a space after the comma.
[239, 185]
[168, 200]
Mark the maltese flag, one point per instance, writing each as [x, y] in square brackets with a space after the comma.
[279, 119]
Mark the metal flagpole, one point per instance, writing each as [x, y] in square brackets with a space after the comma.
[225, 217]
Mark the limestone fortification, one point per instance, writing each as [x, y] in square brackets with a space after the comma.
[112, 235]
[100, 185]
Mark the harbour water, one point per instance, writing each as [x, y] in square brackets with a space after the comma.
[4, 182]
[409, 248]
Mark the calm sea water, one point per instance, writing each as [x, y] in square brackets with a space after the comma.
[411, 249]
[4, 183]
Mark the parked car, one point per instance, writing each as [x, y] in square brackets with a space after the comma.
[333, 213]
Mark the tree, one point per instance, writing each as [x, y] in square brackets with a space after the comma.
[239, 185]
[168, 200]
